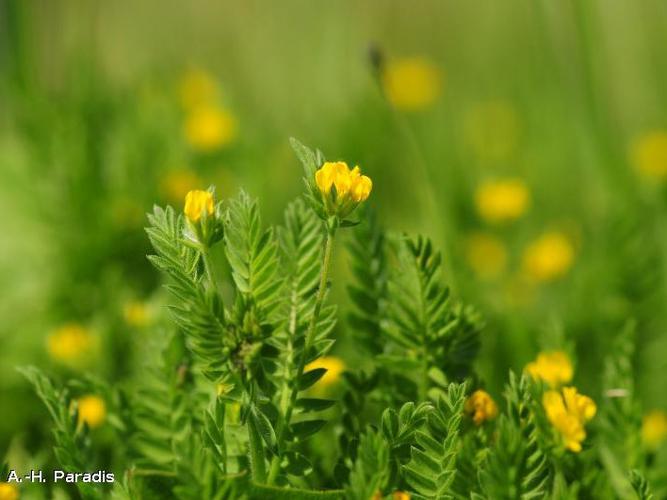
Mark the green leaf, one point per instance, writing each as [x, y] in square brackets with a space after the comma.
[432, 465]
[640, 485]
[252, 254]
[264, 427]
[197, 311]
[306, 157]
[314, 404]
[303, 430]
[307, 379]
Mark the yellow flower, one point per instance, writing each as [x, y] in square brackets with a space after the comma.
[197, 202]
[400, 495]
[69, 343]
[209, 127]
[92, 411]
[9, 491]
[176, 184]
[197, 88]
[411, 84]
[503, 200]
[351, 188]
[486, 255]
[553, 367]
[334, 367]
[654, 428]
[549, 257]
[481, 407]
[568, 411]
[136, 314]
[491, 129]
[649, 154]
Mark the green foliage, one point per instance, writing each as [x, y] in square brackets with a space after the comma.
[196, 309]
[371, 469]
[367, 248]
[433, 332]
[71, 443]
[226, 406]
[432, 467]
[252, 254]
[640, 485]
[516, 466]
[619, 420]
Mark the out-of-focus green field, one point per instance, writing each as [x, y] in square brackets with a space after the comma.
[527, 138]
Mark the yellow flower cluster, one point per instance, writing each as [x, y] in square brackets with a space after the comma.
[554, 367]
[411, 84]
[70, 343]
[568, 411]
[198, 202]
[208, 125]
[654, 429]
[197, 88]
[549, 257]
[481, 407]
[342, 189]
[334, 366]
[502, 200]
[649, 154]
[9, 491]
[486, 255]
[92, 411]
[136, 314]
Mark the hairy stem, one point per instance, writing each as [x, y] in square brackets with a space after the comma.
[258, 468]
[310, 335]
[208, 267]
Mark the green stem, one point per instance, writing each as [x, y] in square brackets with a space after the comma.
[208, 267]
[257, 465]
[287, 405]
[423, 380]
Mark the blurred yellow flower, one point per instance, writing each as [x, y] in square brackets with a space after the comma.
[91, 410]
[654, 428]
[9, 491]
[568, 411]
[400, 495]
[197, 202]
[649, 154]
[481, 407]
[136, 313]
[351, 188]
[70, 343]
[197, 88]
[491, 129]
[554, 367]
[502, 200]
[210, 127]
[411, 84]
[486, 255]
[334, 367]
[549, 257]
[176, 184]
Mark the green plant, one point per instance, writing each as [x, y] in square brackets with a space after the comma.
[231, 406]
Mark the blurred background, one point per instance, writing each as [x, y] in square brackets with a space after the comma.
[527, 138]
